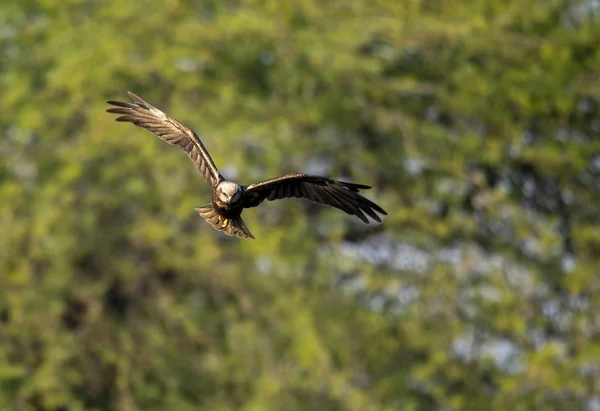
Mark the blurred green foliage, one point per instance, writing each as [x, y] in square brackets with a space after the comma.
[478, 123]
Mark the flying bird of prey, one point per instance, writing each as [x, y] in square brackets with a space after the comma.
[228, 198]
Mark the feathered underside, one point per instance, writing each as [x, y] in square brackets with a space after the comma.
[233, 226]
[321, 190]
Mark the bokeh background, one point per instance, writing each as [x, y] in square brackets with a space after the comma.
[476, 121]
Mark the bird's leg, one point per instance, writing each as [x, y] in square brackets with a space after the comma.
[224, 220]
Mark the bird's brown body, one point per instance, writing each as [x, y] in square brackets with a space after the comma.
[229, 199]
[227, 213]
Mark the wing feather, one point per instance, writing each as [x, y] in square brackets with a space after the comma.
[143, 114]
[321, 190]
[344, 204]
[235, 227]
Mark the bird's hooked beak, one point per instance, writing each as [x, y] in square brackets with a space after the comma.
[226, 204]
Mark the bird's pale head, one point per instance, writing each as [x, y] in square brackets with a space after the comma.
[228, 194]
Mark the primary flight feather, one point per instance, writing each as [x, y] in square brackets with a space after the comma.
[229, 199]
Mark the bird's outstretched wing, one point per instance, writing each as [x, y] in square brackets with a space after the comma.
[322, 190]
[144, 115]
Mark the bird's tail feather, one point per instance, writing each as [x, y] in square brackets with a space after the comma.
[233, 226]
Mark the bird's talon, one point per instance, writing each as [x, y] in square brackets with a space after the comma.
[225, 222]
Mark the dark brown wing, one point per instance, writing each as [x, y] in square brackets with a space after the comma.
[144, 115]
[322, 190]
